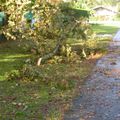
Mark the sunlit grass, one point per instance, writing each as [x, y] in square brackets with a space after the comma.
[34, 99]
[11, 58]
[27, 100]
[105, 29]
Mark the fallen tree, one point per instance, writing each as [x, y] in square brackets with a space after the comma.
[47, 24]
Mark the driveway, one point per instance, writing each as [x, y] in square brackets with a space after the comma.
[100, 96]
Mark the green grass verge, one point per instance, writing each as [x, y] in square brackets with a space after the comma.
[104, 29]
[11, 58]
[40, 99]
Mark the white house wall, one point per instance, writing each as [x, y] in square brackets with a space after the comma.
[104, 12]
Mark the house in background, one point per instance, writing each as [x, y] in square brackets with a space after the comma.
[57, 1]
[104, 13]
[54, 1]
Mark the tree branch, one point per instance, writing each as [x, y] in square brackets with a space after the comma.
[50, 55]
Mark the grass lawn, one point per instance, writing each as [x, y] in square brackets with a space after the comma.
[104, 29]
[43, 98]
[11, 58]
[32, 100]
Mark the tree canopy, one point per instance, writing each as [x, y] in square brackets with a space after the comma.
[45, 23]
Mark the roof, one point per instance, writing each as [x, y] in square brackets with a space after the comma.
[109, 9]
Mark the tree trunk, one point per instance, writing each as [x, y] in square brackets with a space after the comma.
[58, 45]
[50, 55]
[84, 53]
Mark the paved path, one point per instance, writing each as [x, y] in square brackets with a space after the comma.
[100, 96]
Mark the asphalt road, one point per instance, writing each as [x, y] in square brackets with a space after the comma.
[100, 96]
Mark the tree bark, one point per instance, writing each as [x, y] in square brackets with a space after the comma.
[58, 45]
[50, 55]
